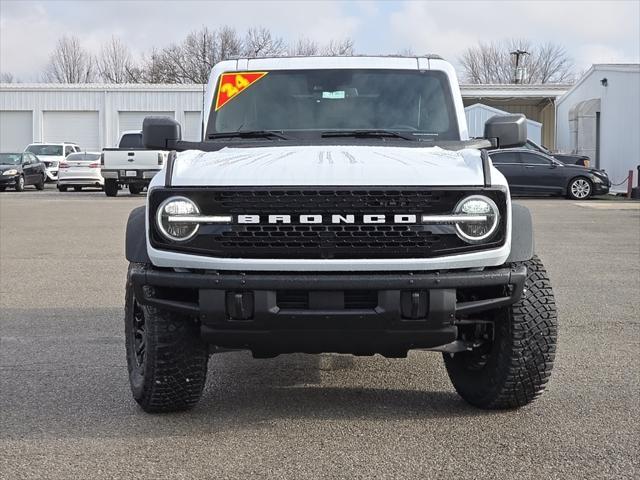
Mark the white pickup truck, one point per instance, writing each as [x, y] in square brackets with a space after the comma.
[130, 164]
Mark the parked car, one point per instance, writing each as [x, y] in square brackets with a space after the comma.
[20, 169]
[80, 170]
[534, 173]
[51, 154]
[130, 164]
[565, 158]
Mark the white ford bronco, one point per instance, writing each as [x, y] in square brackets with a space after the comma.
[335, 205]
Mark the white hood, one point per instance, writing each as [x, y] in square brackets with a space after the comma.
[328, 165]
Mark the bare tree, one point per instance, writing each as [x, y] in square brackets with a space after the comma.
[304, 47]
[494, 63]
[336, 48]
[115, 64]
[406, 52]
[259, 42]
[7, 77]
[191, 60]
[70, 63]
[229, 44]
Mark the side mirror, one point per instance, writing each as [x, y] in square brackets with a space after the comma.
[160, 133]
[506, 131]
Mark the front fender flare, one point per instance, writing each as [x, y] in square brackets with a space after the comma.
[136, 236]
[522, 242]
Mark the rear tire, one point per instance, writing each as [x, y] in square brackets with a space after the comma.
[40, 185]
[516, 367]
[135, 189]
[110, 187]
[166, 357]
[62, 188]
[19, 184]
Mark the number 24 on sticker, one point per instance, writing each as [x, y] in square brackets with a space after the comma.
[231, 84]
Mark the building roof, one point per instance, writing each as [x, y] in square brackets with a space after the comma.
[602, 67]
[468, 90]
[546, 90]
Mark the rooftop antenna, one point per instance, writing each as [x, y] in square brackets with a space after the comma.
[519, 72]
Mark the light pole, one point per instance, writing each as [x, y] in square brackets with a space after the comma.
[519, 72]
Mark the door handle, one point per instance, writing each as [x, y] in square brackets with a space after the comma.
[131, 154]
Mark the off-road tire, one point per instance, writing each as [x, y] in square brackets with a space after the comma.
[110, 187]
[19, 186]
[516, 368]
[135, 189]
[172, 374]
[40, 185]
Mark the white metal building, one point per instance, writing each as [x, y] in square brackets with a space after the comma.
[600, 117]
[478, 113]
[94, 115]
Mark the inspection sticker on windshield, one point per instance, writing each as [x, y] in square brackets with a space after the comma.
[231, 84]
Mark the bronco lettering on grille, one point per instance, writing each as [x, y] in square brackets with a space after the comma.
[399, 218]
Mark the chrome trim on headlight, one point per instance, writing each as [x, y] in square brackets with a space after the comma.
[159, 219]
[495, 213]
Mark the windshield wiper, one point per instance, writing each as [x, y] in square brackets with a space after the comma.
[248, 134]
[374, 133]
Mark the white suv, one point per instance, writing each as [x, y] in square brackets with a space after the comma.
[51, 154]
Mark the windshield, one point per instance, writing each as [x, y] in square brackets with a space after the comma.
[79, 157]
[10, 158]
[417, 102]
[54, 150]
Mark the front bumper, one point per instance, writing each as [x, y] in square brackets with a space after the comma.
[406, 311]
[52, 173]
[601, 188]
[8, 180]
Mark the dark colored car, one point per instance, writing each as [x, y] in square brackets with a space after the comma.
[20, 169]
[534, 173]
[566, 158]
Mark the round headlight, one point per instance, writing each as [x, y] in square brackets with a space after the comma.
[479, 206]
[170, 226]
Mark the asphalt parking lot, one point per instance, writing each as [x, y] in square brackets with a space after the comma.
[66, 410]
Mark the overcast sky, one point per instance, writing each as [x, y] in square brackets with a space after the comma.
[603, 31]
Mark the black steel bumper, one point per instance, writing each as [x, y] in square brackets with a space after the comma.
[248, 311]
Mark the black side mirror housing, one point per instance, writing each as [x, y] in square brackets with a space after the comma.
[506, 131]
[160, 133]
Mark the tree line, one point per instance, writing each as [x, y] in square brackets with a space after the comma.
[191, 60]
[188, 61]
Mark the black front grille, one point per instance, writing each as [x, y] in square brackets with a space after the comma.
[325, 240]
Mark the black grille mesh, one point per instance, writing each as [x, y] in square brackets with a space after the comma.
[317, 241]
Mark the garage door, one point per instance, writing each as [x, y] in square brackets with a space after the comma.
[133, 120]
[191, 128]
[76, 127]
[16, 131]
